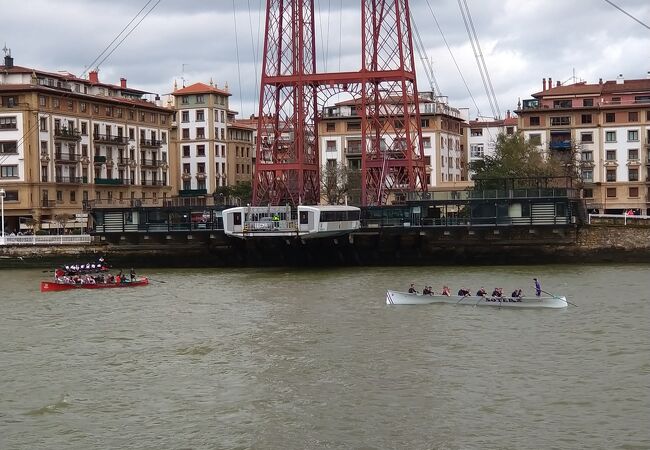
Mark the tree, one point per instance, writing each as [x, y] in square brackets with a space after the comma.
[242, 191]
[339, 183]
[516, 157]
[62, 220]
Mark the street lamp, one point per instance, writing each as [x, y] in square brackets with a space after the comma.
[2, 214]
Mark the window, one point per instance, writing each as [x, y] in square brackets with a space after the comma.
[84, 149]
[476, 151]
[95, 109]
[632, 135]
[163, 137]
[330, 127]
[588, 193]
[633, 192]
[56, 103]
[588, 102]
[200, 150]
[200, 167]
[476, 132]
[633, 174]
[611, 175]
[535, 139]
[8, 123]
[8, 147]
[132, 134]
[330, 146]
[199, 99]
[425, 123]
[9, 171]
[610, 117]
[200, 133]
[587, 175]
[84, 128]
[426, 142]
[616, 100]
[610, 136]
[185, 100]
[186, 133]
[200, 115]
[59, 196]
[633, 154]
[610, 155]
[83, 107]
[562, 104]
[354, 126]
[42, 101]
[633, 116]
[223, 116]
[73, 196]
[510, 131]
[560, 121]
[587, 138]
[586, 118]
[587, 156]
[70, 105]
[534, 121]
[611, 193]
[43, 123]
[185, 116]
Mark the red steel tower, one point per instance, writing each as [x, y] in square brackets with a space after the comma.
[387, 103]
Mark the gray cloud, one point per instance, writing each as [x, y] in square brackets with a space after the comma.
[522, 41]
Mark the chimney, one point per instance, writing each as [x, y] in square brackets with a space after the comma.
[93, 76]
[620, 79]
[600, 81]
[9, 62]
[508, 114]
[648, 75]
[543, 84]
[550, 82]
[558, 84]
[123, 83]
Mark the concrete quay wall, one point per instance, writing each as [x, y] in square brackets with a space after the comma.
[392, 246]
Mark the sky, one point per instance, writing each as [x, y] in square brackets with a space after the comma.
[190, 41]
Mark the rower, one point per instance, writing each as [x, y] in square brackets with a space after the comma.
[481, 292]
[445, 291]
[426, 291]
[412, 289]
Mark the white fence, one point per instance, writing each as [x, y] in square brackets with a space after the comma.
[73, 239]
[618, 218]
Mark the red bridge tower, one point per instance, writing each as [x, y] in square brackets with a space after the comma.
[288, 167]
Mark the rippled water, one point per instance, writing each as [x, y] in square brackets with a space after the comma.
[283, 359]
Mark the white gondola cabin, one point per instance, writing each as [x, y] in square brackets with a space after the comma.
[279, 221]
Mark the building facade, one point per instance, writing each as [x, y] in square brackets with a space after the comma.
[241, 151]
[200, 136]
[67, 143]
[480, 136]
[607, 125]
[444, 148]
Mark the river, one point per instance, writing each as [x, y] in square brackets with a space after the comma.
[314, 359]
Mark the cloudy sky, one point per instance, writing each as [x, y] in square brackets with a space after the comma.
[522, 40]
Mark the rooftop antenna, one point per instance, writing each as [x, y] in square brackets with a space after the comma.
[183, 73]
[6, 50]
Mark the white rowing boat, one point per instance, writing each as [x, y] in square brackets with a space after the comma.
[403, 298]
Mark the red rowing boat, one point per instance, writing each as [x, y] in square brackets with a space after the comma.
[53, 286]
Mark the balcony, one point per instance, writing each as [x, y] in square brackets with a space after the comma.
[111, 181]
[123, 161]
[110, 139]
[152, 143]
[48, 203]
[151, 183]
[149, 163]
[70, 180]
[67, 134]
[192, 192]
[560, 145]
[72, 158]
[201, 176]
[186, 176]
[98, 159]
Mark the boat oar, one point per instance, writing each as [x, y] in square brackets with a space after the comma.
[555, 296]
[464, 296]
[479, 300]
[157, 281]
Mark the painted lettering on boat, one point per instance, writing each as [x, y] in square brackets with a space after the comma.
[503, 299]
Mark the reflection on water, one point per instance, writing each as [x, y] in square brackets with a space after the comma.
[315, 359]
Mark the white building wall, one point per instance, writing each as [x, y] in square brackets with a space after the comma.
[18, 158]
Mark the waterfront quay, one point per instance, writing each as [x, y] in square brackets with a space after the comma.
[492, 226]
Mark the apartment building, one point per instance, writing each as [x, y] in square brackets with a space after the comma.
[201, 138]
[480, 136]
[241, 151]
[68, 142]
[444, 148]
[608, 125]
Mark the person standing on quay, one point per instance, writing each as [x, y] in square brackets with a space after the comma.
[538, 287]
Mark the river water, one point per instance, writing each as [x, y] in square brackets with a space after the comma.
[314, 359]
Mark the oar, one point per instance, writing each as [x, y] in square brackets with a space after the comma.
[479, 300]
[157, 281]
[555, 296]
[464, 296]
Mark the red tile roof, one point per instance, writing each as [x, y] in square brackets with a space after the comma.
[200, 88]
[609, 87]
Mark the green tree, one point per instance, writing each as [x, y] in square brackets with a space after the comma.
[243, 192]
[339, 183]
[516, 157]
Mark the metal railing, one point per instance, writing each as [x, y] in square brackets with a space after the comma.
[111, 139]
[65, 133]
[618, 219]
[74, 239]
[70, 157]
[150, 142]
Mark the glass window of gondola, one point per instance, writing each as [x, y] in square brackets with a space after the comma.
[236, 217]
[304, 217]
